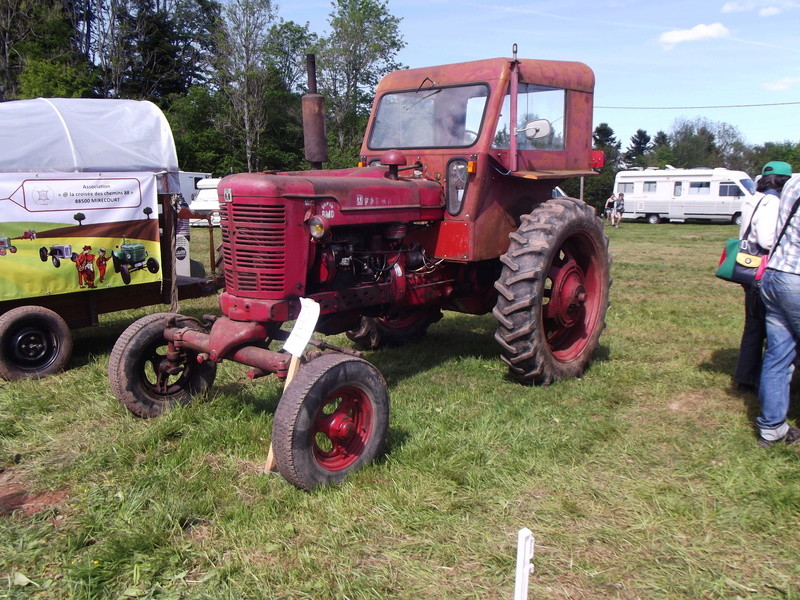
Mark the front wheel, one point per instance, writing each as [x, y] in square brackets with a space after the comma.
[737, 219]
[653, 219]
[125, 273]
[152, 265]
[34, 342]
[144, 379]
[331, 420]
[553, 292]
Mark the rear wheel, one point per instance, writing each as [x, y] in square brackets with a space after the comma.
[653, 219]
[331, 420]
[553, 292]
[144, 379]
[399, 329]
[34, 341]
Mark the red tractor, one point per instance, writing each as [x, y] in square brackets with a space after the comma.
[451, 208]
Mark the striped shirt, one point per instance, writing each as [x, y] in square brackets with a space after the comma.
[786, 255]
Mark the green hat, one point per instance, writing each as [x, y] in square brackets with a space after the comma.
[777, 167]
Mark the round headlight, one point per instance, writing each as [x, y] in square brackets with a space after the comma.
[318, 227]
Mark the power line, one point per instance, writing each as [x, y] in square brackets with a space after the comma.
[695, 107]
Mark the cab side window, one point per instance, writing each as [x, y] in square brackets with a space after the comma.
[534, 102]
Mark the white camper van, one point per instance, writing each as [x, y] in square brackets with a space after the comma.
[206, 201]
[680, 194]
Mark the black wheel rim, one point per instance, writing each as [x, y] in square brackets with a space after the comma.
[161, 378]
[31, 347]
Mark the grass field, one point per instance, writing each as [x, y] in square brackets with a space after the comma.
[642, 479]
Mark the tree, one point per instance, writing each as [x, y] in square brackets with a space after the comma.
[79, 217]
[242, 70]
[635, 154]
[147, 211]
[694, 144]
[287, 46]
[660, 152]
[364, 41]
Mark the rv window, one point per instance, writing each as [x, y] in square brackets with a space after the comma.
[749, 185]
[650, 187]
[729, 188]
[625, 188]
[702, 188]
[678, 190]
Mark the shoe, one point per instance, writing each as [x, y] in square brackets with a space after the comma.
[792, 437]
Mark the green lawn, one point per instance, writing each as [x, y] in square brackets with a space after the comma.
[641, 479]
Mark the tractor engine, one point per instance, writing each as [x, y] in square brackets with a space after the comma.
[350, 239]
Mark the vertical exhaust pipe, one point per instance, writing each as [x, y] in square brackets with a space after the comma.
[314, 141]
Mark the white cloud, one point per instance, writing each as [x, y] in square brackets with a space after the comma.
[766, 8]
[730, 7]
[781, 85]
[699, 32]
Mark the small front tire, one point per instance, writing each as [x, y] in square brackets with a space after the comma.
[331, 420]
[141, 376]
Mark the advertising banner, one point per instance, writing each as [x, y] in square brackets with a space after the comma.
[67, 232]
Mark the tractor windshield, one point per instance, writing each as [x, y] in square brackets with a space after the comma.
[430, 117]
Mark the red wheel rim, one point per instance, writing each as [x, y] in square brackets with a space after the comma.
[342, 427]
[572, 296]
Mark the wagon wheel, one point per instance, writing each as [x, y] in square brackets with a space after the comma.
[402, 328]
[144, 380]
[553, 292]
[331, 420]
[34, 341]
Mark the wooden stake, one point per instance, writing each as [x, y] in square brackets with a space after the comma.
[271, 466]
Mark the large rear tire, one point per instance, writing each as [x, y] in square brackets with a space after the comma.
[331, 420]
[553, 292]
[397, 330]
[34, 342]
[144, 380]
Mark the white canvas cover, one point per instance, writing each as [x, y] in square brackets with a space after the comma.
[79, 135]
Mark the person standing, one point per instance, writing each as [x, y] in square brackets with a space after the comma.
[619, 208]
[759, 216]
[780, 291]
[609, 208]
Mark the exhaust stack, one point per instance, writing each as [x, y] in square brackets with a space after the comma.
[314, 141]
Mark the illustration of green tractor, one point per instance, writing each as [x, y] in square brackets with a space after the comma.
[130, 257]
[6, 246]
[57, 253]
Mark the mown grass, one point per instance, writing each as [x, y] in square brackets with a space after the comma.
[641, 479]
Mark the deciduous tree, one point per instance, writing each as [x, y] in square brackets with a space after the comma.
[364, 41]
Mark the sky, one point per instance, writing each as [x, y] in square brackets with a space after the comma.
[654, 61]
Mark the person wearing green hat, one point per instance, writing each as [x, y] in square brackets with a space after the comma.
[759, 215]
[780, 291]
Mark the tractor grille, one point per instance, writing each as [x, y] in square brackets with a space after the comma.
[254, 248]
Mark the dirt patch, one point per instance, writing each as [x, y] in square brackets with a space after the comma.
[16, 497]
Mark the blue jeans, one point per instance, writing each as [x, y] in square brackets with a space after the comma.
[781, 294]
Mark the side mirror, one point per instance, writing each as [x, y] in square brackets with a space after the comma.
[537, 129]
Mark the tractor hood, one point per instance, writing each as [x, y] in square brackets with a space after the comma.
[346, 196]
